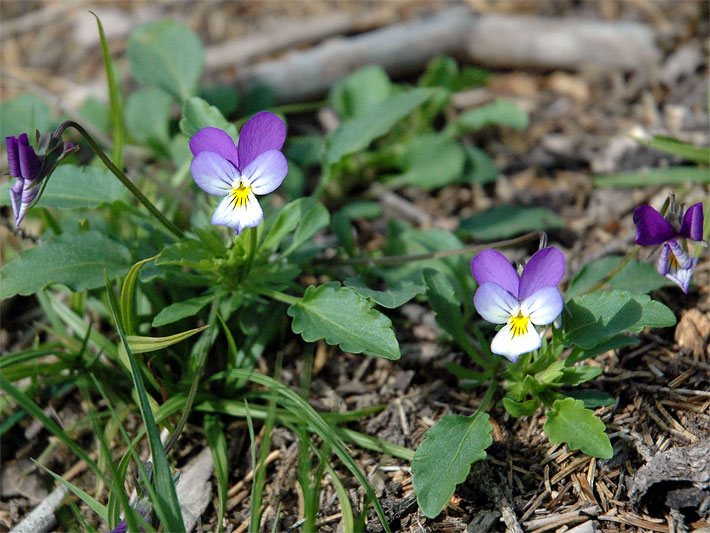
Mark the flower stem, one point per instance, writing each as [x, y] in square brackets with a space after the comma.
[276, 295]
[614, 271]
[253, 240]
[399, 259]
[135, 191]
[205, 342]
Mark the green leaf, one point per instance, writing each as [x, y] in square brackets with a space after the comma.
[75, 260]
[343, 317]
[579, 428]
[654, 177]
[592, 398]
[444, 458]
[72, 186]
[306, 216]
[148, 115]
[482, 168]
[198, 114]
[141, 344]
[443, 71]
[431, 161]
[357, 133]
[24, 114]
[396, 296]
[508, 220]
[579, 374]
[128, 295]
[519, 409]
[180, 310]
[619, 341]
[499, 113]
[599, 316]
[636, 276]
[166, 54]
[218, 446]
[89, 500]
[96, 113]
[687, 151]
[355, 94]
[188, 253]
[115, 98]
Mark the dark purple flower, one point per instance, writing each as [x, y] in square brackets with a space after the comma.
[520, 302]
[30, 168]
[254, 166]
[652, 229]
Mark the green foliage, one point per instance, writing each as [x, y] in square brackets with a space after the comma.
[357, 133]
[444, 458]
[431, 161]
[499, 113]
[396, 296]
[670, 145]
[480, 167]
[579, 428]
[355, 94]
[635, 276]
[655, 177]
[507, 221]
[444, 72]
[198, 114]
[218, 446]
[341, 316]
[168, 55]
[147, 116]
[75, 260]
[600, 316]
[179, 310]
[24, 114]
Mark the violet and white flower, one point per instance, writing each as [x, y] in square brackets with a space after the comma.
[254, 166]
[30, 168]
[520, 302]
[652, 229]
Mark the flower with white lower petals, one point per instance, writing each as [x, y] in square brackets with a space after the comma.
[239, 172]
[519, 302]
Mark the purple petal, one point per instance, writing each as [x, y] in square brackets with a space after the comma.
[266, 172]
[544, 269]
[238, 217]
[682, 259]
[494, 303]
[217, 141]
[651, 227]
[13, 156]
[213, 173]
[30, 163]
[692, 225]
[681, 277]
[543, 306]
[262, 132]
[663, 265]
[16, 196]
[492, 266]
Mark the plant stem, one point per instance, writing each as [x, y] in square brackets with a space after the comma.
[253, 234]
[488, 397]
[276, 295]
[135, 191]
[399, 259]
[204, 350]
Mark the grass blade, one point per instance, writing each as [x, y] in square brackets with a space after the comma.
[89, 500]
[218, 446]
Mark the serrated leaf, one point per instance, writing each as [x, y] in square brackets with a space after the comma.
[508, 220]
[655, 176]
[499, 113]
[341, 316]
[75, 260]
[180, 310]
[73, 187]
[597, 317]
[579, 428]
[198, 114]
[166, 54]
[444, 458]
[396, 296]
[636, 276]
[431, 161]
[357, 133]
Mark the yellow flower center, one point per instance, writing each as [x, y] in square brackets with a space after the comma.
[519, 324]
[673, 262]
[240, 195]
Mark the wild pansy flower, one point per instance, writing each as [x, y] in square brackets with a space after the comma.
[652, 229]
[30, 168]
[521, 302]
[254, 166]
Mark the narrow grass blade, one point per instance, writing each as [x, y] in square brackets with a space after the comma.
[114, 92]
[218, 446]
[166, 504]
[128, 295]
[89, 500]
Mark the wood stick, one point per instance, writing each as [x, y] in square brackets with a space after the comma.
[493, 40]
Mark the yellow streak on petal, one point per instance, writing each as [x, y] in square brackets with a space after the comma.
[519, 325]
[239, 195]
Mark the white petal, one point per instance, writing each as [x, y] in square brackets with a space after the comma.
[494, 303]
[512, 346]
[543, 306]
[238, 218]
[266, 172]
